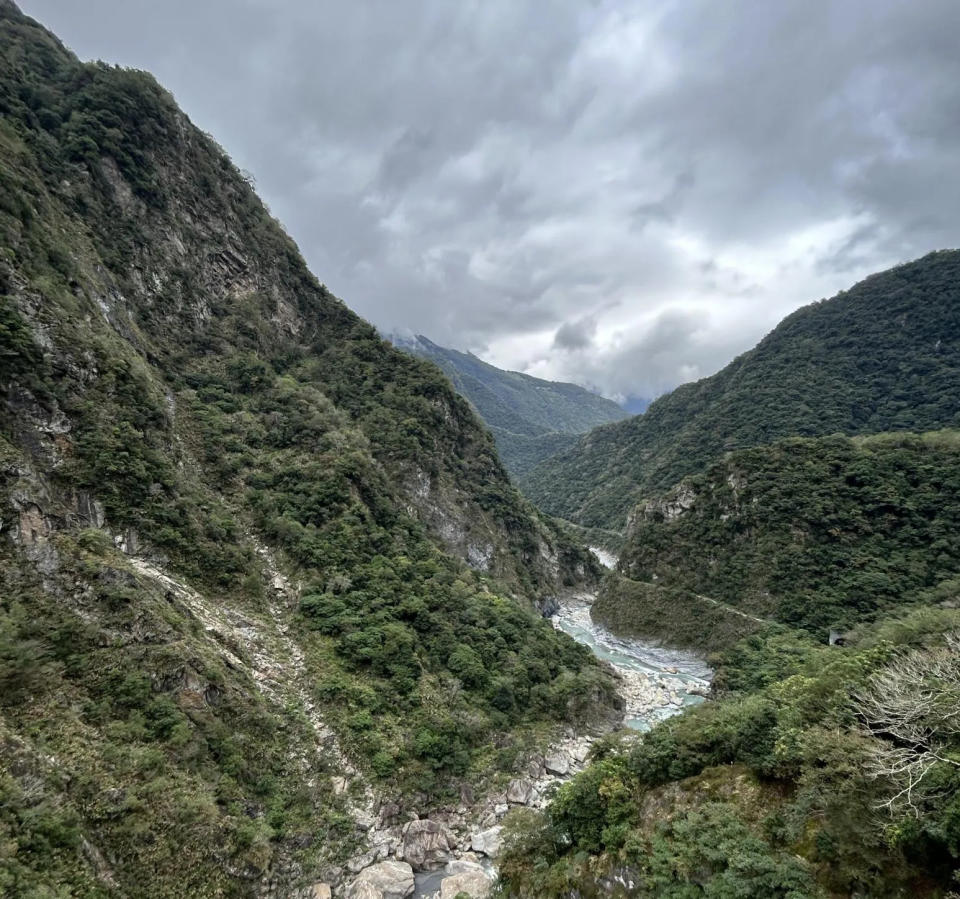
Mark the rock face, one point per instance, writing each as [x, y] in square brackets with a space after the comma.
[488, 842]
[365, 891]
[520, 791]
[557, 763]
[384, 880]
[427, 845]
[476, 884]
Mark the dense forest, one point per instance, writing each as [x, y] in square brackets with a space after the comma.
[816, 771]
[249, 548]
[882, 356]
[529, 418]
[816, 533]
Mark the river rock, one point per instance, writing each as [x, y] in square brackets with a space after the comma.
[487, 842]
[476, 884]
[427, 845]
[520, 791]
[365, 891]
[557, 762]
[580, 750]
[469, 862]
[385, 880]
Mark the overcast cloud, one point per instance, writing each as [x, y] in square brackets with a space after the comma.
[623, 194]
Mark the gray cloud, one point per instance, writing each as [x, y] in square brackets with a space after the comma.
[575, 335]
[621, 193]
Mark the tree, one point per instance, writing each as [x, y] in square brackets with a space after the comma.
[911, 708]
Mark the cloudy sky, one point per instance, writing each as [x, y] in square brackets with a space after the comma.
[623, 194]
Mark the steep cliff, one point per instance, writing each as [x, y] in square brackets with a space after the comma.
[254, 559]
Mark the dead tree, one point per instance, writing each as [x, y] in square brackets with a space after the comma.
[911, 709]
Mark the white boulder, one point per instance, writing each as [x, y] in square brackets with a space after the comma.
[487, 842]
[385, 880]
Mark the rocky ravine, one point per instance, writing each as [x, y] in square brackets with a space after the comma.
[451, 851]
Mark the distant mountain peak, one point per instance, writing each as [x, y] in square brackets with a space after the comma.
[531, 418]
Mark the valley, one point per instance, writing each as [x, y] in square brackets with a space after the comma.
[655, 683]
[287, 612]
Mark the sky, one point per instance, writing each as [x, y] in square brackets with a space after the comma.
[621, 194]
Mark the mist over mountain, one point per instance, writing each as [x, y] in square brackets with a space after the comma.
[530, 419]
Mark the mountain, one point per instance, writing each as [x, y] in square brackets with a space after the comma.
[815, 533]
[883, 356]
[824, 575]
[772, 524]
[258, 569]
[530, 419]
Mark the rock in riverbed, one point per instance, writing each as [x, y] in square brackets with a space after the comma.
[557, 762]
[487, 842]
[520, 791]
[475, 883]
[427, 845]
[385, 880]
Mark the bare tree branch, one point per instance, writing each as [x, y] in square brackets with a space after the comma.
[911, 710]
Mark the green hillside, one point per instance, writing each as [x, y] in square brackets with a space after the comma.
[255, 562]
[815, 533]
[883, 356]
[815, 770]
[529, 418]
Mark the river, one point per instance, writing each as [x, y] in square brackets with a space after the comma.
[655, 682]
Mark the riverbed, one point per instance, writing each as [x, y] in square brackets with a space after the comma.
[656, 682]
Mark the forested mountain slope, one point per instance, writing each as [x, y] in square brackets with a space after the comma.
[883, 356]
[815, 533]
[253, 559]
[814, 770]
[530, 418]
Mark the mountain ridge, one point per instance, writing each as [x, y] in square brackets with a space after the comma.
[851, 364]
[258, 569]
[530, 418]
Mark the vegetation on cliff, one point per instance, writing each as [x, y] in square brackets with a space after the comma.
[815, 533]
[247, 545]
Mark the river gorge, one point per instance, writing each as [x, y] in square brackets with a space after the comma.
[655, 683]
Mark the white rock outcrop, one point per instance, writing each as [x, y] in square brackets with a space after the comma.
[487, 842]
[385, 880]
[476, 884]
[520, 791]
[427, 845]
[557, 762]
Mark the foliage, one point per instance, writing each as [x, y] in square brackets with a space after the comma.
[672, 615]
[815, 533]
[767, 791]
[302, 496]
